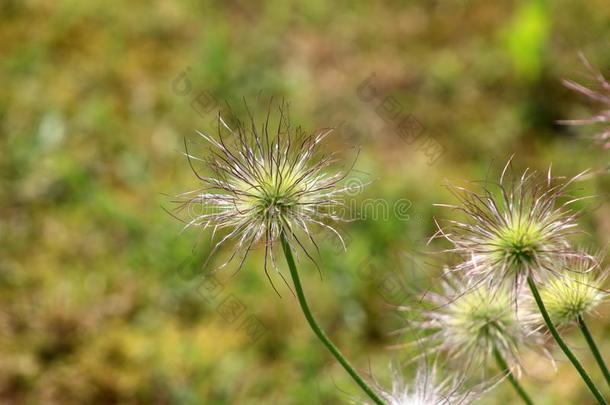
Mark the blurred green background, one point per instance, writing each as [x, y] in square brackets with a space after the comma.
[100, 294]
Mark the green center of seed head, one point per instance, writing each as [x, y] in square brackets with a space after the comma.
[482, 315]
[275, 197]
[276, 203]
[519, 244]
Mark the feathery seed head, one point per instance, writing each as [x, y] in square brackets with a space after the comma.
[470, 322]
[427, 389]
[513, 229]
[265, 182]
[480, 315]
[576, 292]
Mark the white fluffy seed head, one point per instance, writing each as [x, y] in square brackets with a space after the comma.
[512, 229]
[470, 322]
[265, 181]
[576, 292]
[427, 388]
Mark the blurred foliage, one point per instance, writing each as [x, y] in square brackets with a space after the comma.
[100, 293]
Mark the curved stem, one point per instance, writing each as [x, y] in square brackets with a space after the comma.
[316, 328]
[504, 367]
[562, 344]
[598, 357]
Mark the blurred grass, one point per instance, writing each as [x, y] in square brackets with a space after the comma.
[96, 307]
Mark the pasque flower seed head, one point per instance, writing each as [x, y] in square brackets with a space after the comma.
[512, 229]
[427, 388]
[470, 322]
[265, 181]
[576, 292]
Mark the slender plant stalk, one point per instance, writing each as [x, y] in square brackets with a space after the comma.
[504, 367]
[316, 328]
[562, 344]
[598, 357]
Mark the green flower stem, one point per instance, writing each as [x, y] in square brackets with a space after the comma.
[316, 328]
[504, 367]
[598, 357]
[562, 344]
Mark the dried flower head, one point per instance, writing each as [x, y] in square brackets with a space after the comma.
[469, 323]
[427, 389]
[513, 229]
[600, 95]
[577, 291]
[266, 181]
